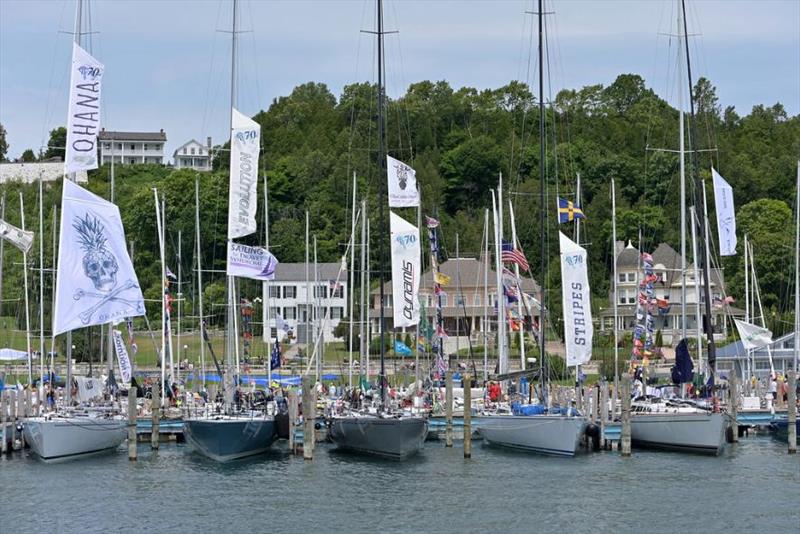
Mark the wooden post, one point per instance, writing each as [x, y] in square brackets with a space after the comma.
[28, 404]
[448, 409]
[156, 409]
[625, 442]
[588, 409]
[467, 416]
[4, 420]
[733, 386]
[292, 418]
[791, 412]
[132, 424]
[603, 406]
[309, 416]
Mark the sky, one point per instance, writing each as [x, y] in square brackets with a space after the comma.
[168, 62]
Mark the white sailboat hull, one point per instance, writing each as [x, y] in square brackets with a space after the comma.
[546, 434]
[62, 438]
[692, 432]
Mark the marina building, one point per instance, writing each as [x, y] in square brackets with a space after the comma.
[667, 267]
[463, 304]
[193, 155]
[128, 148]
[760, 362]
[299, 300]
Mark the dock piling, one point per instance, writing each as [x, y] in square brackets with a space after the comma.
[4, 420]
[625, 441]
[132, 424]
[448, 409]
[156, 409]
[791, 411]
[292, 418]
[467, 416]
[734, 407]
[603, 411]
[309, 416]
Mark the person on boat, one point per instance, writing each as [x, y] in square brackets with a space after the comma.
[494, 391]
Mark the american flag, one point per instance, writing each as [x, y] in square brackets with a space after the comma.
[512, 255]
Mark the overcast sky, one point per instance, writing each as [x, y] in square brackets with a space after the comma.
[168, 65]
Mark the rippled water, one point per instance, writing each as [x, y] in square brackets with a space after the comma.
[752, 487]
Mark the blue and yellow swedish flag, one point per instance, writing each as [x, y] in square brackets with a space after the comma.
[567, 212]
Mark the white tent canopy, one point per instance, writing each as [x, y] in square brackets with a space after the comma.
[7, 355]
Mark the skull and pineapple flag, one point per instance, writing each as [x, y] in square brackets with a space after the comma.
[95, 282]
[402, 184]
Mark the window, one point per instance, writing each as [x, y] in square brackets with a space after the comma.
[460, 300]
[273, 332]
[192, 151]
[107, 146]
[389, 301]
[290, 312]
[621, 277]
[133, 147]
[274, 311]
[622, 295]
[119, 146]
[289, 292]
[145, 146]
[320, 291]
[477, 300]
[337, 312]
[274, 292]
[184, 150]
[337, 292]
[444, 300]
[631, 277]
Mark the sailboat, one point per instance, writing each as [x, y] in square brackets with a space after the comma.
[235, 430]
[535, 428]
[95, 284]
[679, 424]
[379, 431]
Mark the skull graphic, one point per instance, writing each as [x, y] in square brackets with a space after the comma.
[101, 267]
[99, 264]
[402, 175]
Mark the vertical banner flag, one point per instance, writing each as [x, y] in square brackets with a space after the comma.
[753, 336]
[405, 271]
[578, 329]
[83, 122]
[726, 219]
[23, 240]
[95, 282]
[243, 197]
[122, 357]
[251, 262]
[402, 184]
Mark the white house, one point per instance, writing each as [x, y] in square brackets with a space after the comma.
[297, 308]
[127, 148]
[193, 155]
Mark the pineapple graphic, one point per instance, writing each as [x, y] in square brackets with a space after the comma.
[99, 264]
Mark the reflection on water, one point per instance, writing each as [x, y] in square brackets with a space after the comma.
[753, 486]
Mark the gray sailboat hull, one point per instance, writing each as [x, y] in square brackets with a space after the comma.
[228, 438]
[396, 438]
[555, 435]
[690, 432]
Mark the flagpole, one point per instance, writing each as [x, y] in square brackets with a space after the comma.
[519, 287]
[27, 304]
[616, 298]
[163, 297]
[485, 296]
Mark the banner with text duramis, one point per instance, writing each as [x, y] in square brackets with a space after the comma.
[122, 357]
[578, 329]
[243, 197]
[95, 280]
[251, 262]
[726, 219]
[83, 122]
[403, 191]
[405, 271]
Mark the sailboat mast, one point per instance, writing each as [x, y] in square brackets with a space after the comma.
[542, 200]
[485, 295]
[232, 344]
[41, 287]
[616, 281]
[797, 272]
[27, 303]
[199, 279]
[381, 199]
[682, 155]
[712, 349]
[350, 284]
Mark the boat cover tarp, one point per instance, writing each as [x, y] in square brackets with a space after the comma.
[8, 355]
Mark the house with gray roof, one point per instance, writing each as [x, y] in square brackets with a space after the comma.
[128, 148]
[298, 300]
[667, 267]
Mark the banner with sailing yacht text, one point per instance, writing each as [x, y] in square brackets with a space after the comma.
[83, 121]
[243, 197]
[95, 280]
[578, 329]
[726, 219]
[251, 262]
[405, 271]
[403, 191]
[122, 357]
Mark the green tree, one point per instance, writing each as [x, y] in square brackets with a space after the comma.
[28, 156]
[3, 143]
[56, 145]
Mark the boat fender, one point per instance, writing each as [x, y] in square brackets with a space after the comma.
[19, 426]
[317, 425]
